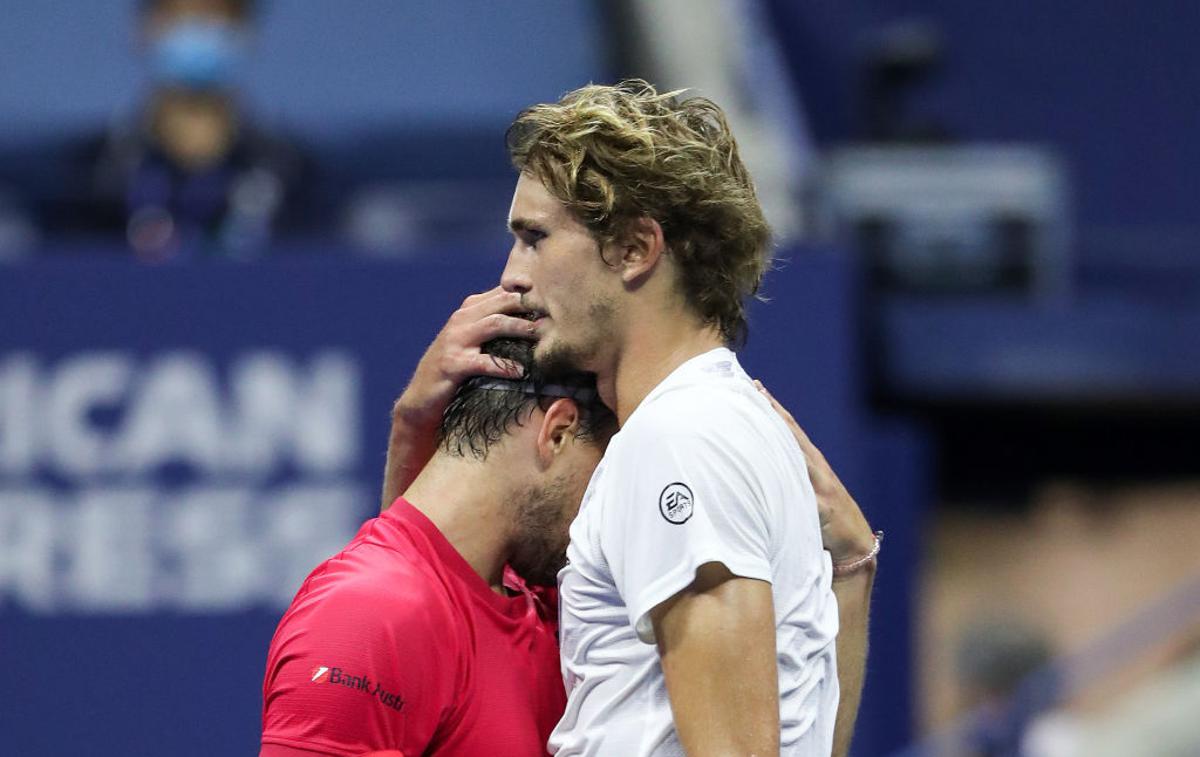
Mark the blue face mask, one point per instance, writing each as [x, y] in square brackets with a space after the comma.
[197, 55]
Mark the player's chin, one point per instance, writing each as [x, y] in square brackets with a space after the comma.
[554, 357]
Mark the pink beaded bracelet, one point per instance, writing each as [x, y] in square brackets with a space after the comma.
[846, 568]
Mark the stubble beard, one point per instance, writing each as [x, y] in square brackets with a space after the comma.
[542, 527]
[560, 358]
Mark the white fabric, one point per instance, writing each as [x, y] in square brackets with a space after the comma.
[638, 542]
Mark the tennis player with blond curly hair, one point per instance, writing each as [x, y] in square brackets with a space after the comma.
[698, 611]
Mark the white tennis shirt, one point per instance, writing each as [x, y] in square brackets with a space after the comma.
[702, 471]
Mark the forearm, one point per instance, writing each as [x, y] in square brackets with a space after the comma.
[411, 444]
[853, 594]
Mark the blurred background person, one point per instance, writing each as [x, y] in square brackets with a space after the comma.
[189, 173]
[997, 660]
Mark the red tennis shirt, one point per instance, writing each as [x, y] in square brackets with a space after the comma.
[397, 643]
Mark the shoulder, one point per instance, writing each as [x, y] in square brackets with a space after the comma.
[720, 437]
[360, 662]
[711, 411]
[365, 620]
[373, 594]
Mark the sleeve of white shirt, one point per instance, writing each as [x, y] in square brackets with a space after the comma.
[691, 495]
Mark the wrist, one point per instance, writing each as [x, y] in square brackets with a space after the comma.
[846, 543]
[864, 561]
[412, 414]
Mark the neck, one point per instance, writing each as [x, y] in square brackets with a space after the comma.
[459, 495]
[648, 355]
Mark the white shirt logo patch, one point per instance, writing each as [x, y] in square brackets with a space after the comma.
[675, 503]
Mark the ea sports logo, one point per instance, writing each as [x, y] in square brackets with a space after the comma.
[676, 503]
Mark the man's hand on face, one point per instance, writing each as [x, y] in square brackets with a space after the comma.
[844, 529]
[455, 355]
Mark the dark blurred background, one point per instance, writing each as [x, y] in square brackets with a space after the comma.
[228, 229]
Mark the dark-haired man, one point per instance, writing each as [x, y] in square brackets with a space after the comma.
[423, 634]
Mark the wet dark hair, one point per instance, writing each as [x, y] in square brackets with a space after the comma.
[484, 409]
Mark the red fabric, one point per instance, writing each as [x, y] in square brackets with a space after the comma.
[396, 643]
[275, 750]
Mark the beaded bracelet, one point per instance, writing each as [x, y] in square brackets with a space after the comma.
[846, 568]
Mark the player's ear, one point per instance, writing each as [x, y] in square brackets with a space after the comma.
[560, 423]
[640, 248]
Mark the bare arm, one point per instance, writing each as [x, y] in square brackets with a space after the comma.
[411, 444]
[454, 355]
[853, 594]
[847, 536]
[716, 641]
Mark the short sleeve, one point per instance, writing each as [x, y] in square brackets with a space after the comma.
[362, 668]
[687, 497]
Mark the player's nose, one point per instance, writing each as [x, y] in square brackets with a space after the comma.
[515, 277]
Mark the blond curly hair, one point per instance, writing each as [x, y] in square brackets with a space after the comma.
[613, 154]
